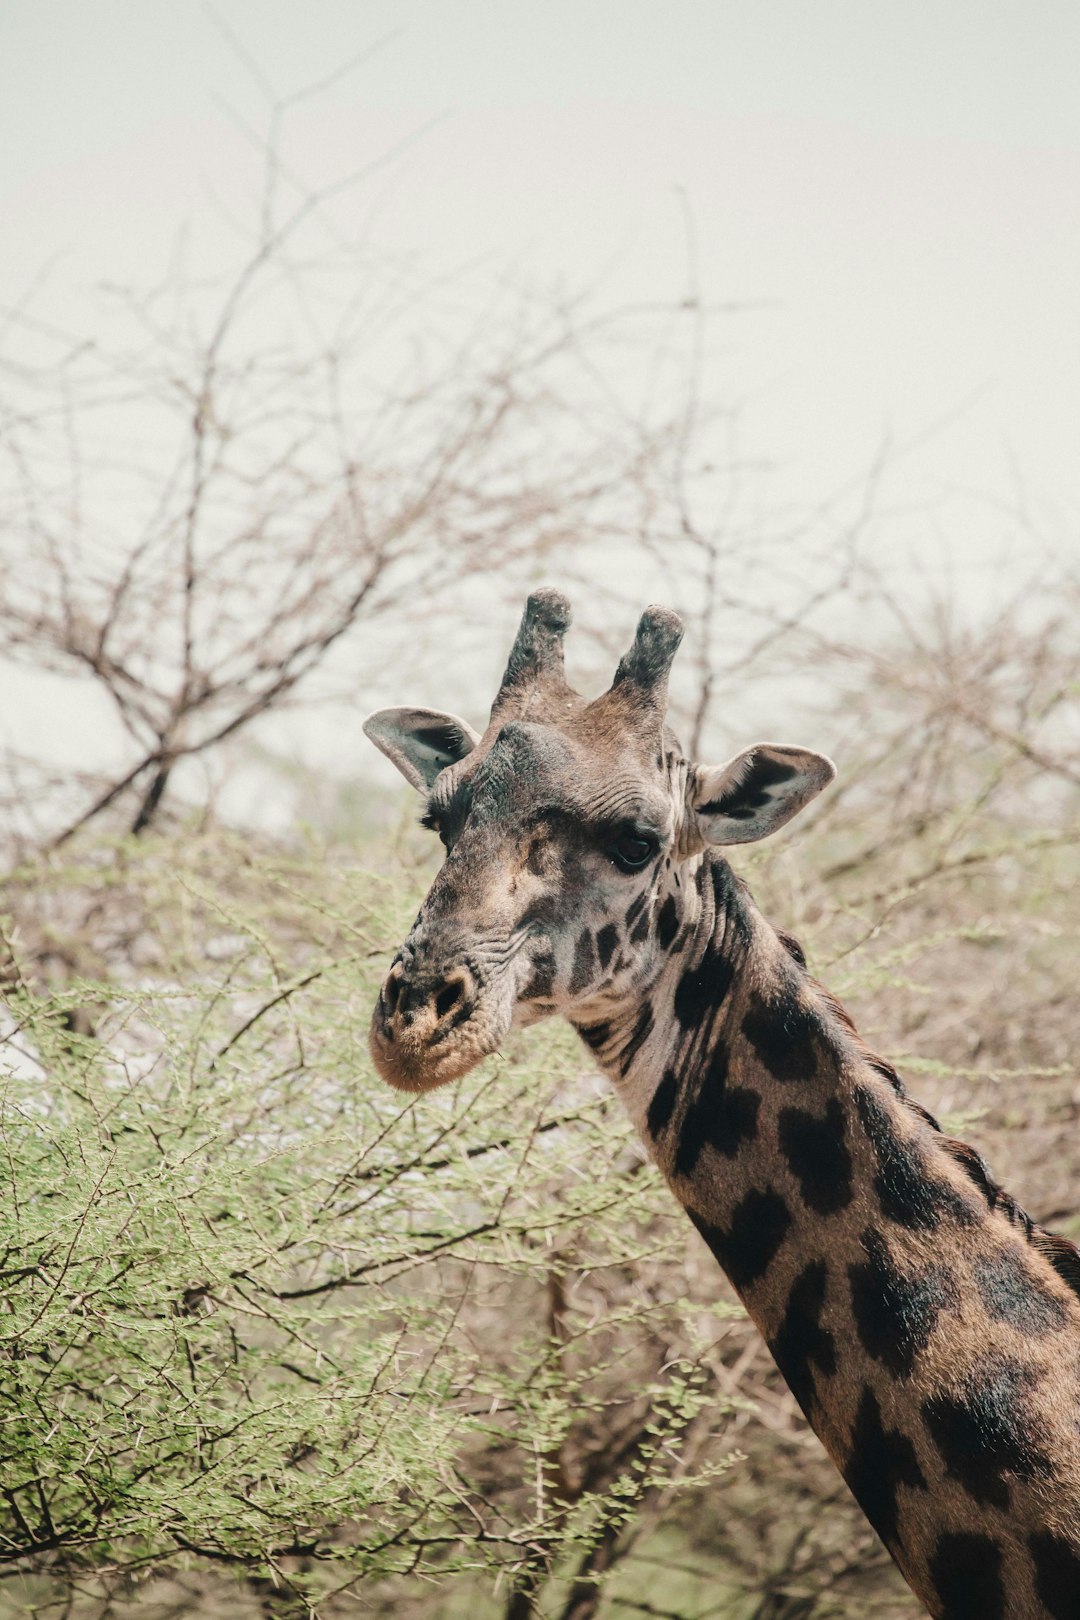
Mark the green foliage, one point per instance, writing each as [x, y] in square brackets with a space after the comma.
[255, 1301]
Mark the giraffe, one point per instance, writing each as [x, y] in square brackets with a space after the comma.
[928, 1329]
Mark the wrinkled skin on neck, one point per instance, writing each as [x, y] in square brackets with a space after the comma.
[694, 919]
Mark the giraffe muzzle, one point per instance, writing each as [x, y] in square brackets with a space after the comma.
[430, 1027]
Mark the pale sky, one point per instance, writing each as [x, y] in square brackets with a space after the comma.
[900, 185]
[895, 189]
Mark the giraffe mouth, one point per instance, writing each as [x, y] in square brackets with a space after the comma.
[425, 1054]
[430, 1027]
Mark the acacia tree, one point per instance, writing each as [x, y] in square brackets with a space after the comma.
[242, 482]
[237, 474]
[268, 521]
[252, 1298]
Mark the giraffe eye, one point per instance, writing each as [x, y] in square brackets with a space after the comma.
[633, 850]
[433, 824]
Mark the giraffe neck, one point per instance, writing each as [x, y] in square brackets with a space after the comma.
[931, 1337]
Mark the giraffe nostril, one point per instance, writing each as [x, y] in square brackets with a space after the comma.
[449, 997]
[391, 991]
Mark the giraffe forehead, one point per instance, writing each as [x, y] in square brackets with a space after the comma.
[533, 772]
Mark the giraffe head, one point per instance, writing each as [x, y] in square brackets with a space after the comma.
[565, 825]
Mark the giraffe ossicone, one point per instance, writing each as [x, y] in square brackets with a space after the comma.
[929, 1330]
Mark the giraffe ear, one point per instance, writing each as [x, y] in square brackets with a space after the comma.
[756, 792]
[420, 742]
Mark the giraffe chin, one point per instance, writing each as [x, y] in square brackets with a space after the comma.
[415, 1067]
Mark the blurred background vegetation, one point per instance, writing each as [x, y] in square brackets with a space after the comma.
[276, 1341]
